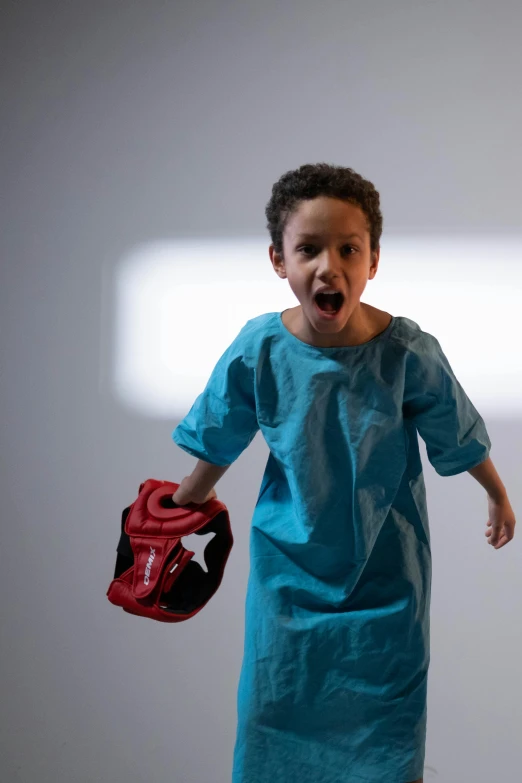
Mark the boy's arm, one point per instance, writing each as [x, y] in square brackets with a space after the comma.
[501, 522]
[488, 477]
[203, 478]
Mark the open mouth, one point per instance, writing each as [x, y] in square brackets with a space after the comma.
[329, 303]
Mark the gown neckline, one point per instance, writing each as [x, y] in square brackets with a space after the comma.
[328, 349]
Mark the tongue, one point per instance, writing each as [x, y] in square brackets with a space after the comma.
[329, 303]
[328, 307]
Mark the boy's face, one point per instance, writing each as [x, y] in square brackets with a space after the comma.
[326, 242]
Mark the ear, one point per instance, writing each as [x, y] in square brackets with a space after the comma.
[376, 254]
[278, 262]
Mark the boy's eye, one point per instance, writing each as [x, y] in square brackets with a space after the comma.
[312, 249]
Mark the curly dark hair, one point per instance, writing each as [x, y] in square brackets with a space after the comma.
[321, 179]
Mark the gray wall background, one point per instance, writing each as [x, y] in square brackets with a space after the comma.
[124, 122]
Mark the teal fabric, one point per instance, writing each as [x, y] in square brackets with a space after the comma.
[333, 686]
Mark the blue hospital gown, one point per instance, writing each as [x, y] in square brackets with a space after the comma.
[333, 685]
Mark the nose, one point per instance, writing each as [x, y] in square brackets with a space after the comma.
[330, 262]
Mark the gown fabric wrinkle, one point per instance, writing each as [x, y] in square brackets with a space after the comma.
[333, 683]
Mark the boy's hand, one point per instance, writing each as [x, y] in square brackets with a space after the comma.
[501, 523]
[185, 496]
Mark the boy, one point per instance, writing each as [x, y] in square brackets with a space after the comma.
[334, 678]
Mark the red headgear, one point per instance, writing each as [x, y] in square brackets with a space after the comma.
[155, 575]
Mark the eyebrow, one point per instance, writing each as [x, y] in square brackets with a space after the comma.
[300, 237]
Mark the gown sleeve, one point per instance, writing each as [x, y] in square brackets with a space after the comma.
[454, 432]
[222, 422]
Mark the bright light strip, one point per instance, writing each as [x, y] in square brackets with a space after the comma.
[178, 305]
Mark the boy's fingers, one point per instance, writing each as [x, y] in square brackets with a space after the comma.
[499, 535]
